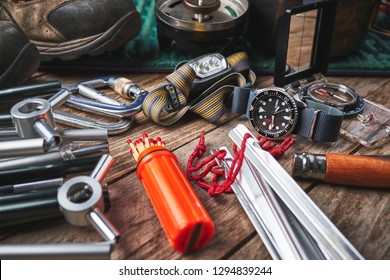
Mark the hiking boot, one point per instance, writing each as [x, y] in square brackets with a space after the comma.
[19, 58]
[67, 29]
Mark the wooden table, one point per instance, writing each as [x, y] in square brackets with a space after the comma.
[361, 214]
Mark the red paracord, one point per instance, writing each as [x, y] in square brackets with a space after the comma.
[210, 163]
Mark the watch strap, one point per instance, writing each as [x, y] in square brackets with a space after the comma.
[319, 122]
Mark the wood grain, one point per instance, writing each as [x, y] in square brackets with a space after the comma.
[361, 214]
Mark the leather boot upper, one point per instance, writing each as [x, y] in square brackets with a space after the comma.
[65, 20]
[12, 41]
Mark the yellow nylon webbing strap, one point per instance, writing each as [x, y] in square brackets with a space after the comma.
[208, 104]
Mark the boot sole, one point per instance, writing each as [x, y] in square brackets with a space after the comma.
[121, 32]
[24, 66]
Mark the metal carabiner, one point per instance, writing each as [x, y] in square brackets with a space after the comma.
[95, 104]
[77, 121]
[94, 101]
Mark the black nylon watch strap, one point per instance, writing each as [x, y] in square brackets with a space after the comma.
[319, 122]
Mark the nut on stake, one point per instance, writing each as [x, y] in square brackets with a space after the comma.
[183, 218]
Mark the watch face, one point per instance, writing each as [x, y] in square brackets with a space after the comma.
[333, 94]
[273, 113]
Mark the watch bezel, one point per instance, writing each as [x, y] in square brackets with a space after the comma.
[282, 93]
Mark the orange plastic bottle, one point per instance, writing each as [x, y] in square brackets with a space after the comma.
[184, 219]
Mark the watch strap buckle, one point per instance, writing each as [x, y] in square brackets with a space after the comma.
[313, 124]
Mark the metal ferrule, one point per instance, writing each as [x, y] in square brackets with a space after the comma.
[22, 147]
[306, 165]
[78, 197]
[126, 88]
[27, 112]
[65, 251]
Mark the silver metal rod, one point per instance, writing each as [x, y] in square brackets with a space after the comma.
[22, 147]
[333, 243]
[102, 167]
[91, 150]
[59, 98]
[88, 134]
[38, 185]
[7, 134]
[64, 251]
[105, 228]
[51, 157]
[52, 137]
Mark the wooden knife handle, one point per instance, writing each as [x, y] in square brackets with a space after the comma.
[357, 170]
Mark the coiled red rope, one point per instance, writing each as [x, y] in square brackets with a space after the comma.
[210, 165]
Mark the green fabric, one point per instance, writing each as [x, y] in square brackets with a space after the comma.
[143, 54]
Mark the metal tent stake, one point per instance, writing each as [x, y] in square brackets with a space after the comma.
[288, 221]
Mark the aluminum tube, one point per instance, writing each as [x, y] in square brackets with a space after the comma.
[96, 150]
[26, 209]
[103, 225]
[23, 162]
[102, 167]
[98, 133]
[8, 134]
[30, 219]
[27, 91]
[59, 98]
[64, 251]
[31, 186]
[38, 185]
[332, 242]
[48, 158]
[22, 147]
[6, 120]
[75, 135]
[28, 196]
[52, 137]
[47, 170]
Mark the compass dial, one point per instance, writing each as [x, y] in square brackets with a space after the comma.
[273, 113]
[332, 94]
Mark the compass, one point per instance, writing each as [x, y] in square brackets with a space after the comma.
[336, 95]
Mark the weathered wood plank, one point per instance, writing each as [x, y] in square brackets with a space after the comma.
[142, 236]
